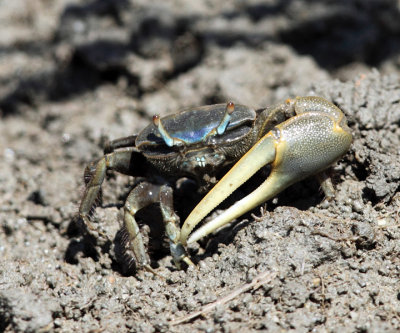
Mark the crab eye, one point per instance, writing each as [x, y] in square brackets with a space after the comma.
[230, 107]
[156, 119]
[178, 139]
[164, 134]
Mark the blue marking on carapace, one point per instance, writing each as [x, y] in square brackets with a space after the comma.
[190, 137]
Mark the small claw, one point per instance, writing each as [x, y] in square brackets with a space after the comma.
[179, 254]
[297, 148]
[188, 261]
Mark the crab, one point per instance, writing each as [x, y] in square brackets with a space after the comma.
[297, 138]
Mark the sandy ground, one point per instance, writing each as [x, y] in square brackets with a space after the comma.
[75, 72]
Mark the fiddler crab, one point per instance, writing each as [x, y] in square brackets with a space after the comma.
[298, 138]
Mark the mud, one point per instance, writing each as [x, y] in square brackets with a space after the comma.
[73, 74]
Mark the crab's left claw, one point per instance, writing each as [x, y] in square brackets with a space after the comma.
[299, 147]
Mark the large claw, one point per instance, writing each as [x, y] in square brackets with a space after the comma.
[297, 148]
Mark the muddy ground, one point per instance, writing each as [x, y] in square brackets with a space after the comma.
[73, 73]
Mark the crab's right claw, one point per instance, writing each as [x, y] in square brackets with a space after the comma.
[301, 146]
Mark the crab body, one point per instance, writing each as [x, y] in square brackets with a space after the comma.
[298, 138]
[198, 151]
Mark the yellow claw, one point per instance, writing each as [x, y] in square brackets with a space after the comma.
[297, 148]
[241, 172]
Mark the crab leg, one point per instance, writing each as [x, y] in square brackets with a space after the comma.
[94, 176]
[142, 196]
[297, 148]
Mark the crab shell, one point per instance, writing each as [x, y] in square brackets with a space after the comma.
[200, 147]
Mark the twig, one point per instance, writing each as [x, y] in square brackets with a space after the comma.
[256, 283]
[337, 239]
